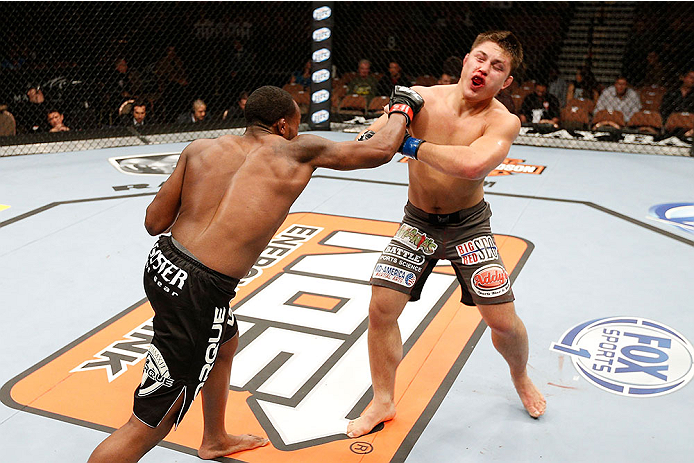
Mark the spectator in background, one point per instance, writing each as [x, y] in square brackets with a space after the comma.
[31, 116]
[557, 86]
[197, 114]
[238, 111]
[393, 78]
[8, 125]
[540, 107]
[137, 115]
[452, 68]
[681, 99]
[124, 82]
[584, 87]
[302, 77]
[618, 97]
[365, 83]
[56, 121]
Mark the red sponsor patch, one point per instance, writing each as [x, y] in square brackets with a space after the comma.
[490, 280]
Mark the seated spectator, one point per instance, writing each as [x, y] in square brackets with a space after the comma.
[56, 121]
[452, 68]
[364, 84]
[584, 87]
[618, 97]
[135, 114]
[681, 99]
[393, 78]
[302, 77]
[238, 111]
[8, 126]
[540, 107]
[31, 115]
[197, 113]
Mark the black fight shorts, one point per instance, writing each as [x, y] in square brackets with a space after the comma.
[192, 319]
[464, 238]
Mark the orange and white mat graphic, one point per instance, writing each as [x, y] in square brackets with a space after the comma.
[302, 369]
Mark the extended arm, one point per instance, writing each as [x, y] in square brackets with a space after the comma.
[349, 155]
[376, 149]
[163, 210]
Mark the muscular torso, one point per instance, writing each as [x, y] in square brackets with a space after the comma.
[236, 192]
[440, 122]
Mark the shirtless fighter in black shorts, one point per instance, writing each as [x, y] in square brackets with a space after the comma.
[223, 203]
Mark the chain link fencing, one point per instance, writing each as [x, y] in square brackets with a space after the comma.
[129, 73]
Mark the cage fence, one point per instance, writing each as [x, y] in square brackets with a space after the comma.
[614, 76]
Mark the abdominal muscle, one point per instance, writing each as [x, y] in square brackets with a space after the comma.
[437, 193]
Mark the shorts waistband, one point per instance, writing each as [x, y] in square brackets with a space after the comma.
[444, 219]
[171, 243]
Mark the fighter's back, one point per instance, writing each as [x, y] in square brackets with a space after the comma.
[240, 187]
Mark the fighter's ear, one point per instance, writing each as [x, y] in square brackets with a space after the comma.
[281, 126]
[507, 82]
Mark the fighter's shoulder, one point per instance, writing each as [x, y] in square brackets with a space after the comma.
[502, 117]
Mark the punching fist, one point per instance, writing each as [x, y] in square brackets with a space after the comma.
[410, 146]
[405, 101]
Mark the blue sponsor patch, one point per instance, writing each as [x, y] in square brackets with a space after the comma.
[681, 215]
[629, 356]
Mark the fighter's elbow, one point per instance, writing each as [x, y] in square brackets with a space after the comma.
[472, 171]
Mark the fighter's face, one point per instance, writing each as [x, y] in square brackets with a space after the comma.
[485, 72]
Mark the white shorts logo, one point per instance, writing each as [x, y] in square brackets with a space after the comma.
[156, 372]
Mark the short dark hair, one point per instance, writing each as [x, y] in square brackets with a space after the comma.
[507, 42]
[267, 105]
[139, 103]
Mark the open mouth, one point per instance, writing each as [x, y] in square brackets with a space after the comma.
[477, 82]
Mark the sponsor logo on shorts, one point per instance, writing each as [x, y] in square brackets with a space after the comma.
[220, 315]
[629, 356]
[478, 250]
[155, 373]
[680, 215]
[516, 166]
[490, 281]
[302, 353]
[404, 254]
[415, 239]
[394, 274]
[164, 273]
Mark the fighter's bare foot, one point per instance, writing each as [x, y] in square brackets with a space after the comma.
[370, 419]
[230, 445]
[533, 400]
